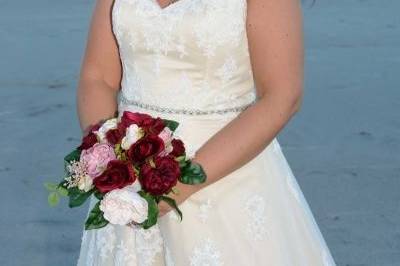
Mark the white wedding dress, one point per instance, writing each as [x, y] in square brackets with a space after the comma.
[189, 62]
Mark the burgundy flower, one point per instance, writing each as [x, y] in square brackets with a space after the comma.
[153, 126]
[178, 148]
[90, 138]
[150, 124]
[128, 118]
[159, 180]
[118, 174]
[114, 136]
[149, 145]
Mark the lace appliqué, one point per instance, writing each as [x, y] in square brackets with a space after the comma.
[204, 210]
[206, 253]
[102, 243]
[157, 40]
[168, 257]
[149, 243]
[105, 241]
[227, 70]
[255, 208]
[86, 259]
[124, 254]
[291, 181]
[157, 28]
[231, 14]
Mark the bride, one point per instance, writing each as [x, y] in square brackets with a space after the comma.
[231, 73]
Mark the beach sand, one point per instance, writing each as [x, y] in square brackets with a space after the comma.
[343, 145]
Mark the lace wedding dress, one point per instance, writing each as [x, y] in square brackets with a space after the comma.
[189, 62]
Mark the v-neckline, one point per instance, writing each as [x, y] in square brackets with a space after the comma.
[165, 8]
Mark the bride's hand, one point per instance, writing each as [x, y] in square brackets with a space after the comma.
[183, 192]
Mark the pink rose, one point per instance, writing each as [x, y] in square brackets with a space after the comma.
[166, 135]
[96, 158]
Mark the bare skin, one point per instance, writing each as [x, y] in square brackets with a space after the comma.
[275, 36]
[101, 70]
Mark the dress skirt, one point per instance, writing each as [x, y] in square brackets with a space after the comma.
[256, 215]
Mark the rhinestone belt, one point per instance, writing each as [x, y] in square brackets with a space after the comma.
[184, 111]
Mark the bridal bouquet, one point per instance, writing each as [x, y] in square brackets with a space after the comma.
[129, 164]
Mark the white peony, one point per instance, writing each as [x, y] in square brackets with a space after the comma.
[85, 183]
[109, 124]
[133, 133]
[135, 186]
[122, 206]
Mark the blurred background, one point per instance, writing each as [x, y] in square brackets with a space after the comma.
[343, 146]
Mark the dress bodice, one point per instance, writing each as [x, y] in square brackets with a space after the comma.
[191, 54]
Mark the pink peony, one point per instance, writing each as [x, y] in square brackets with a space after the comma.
[96, 158]
[166, 135]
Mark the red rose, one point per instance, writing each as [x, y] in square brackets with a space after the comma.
[128, 118]
[160, 179]
[118, 174]
[150, 124]
[178, 148]
[149, 145]
[153, 126]
[114, 136]
[90, 138]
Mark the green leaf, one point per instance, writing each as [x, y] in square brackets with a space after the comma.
[53, 199]
[50, 186]
[171, 202]
[98, 195]
[171, 124]
[77, 197]
[73, 156]
[96, 219]
[181, 160]
[152, 210]
[192, 174]
[63, 183]
[62, 191]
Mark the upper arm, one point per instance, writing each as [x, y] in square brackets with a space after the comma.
[101, 59]
[274, 29]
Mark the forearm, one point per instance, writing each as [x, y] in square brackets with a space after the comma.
[95, 101]
[246, 136]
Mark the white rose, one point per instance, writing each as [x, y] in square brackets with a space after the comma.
[109, 124]
[133, 133]
[122, 206]
[85, 183]
[135, 186]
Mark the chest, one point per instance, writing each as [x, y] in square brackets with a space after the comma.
[185, 27]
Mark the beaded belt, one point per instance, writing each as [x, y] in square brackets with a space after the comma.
[184, 111]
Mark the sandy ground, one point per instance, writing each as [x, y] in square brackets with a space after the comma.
[343, 146]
